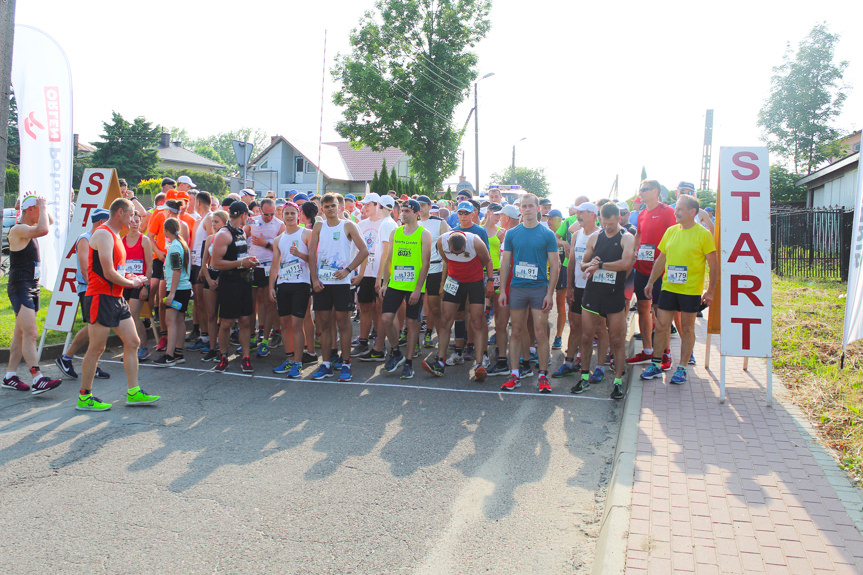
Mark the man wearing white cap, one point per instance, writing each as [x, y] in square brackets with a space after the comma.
[247, 195]
[23, 292]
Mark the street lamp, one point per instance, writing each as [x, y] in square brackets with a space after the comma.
[512, 176]
[476, 125]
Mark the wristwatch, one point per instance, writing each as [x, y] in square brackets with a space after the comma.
[600, 265]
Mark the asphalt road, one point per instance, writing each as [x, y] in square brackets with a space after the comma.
[238, 474]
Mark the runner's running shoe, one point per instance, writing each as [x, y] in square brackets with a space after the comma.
[526, 370]
[360, 349]
[470, 352]
[427, 340]
[246, 365]
[455, 359]
[394, 362]
[143, 353]
[557, 343]
[164, 361]
[580, 386]
[434, 367]
[222, 366]
[263, 349]
[137, 396]
[639, 357]
[296, 370]
[15, 383]
[90, 402]
[163, 343]
[197, 346]
[211, 355]
[345, 372]
[510, 384]
[479, 373]
[563, 371]
[309, 357]
[44, 384]
[617, 391]
[322, 372]
[666, 361]
[651, 372]
[679, 377]
[283, 367]
[372, 355]
[543, 385]
[499, 368]
[407, 372]
[66, 367]
[692, 359]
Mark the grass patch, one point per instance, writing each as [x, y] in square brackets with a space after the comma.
[808, 319]
[7, 319]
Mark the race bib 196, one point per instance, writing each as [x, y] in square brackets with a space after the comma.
[646, 253]
[527, 271]
[403, 274]
[604, 276]
[450, 286]
[676, 275]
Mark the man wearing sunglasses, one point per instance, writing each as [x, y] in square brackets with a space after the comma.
[653, 219]
[261, 231]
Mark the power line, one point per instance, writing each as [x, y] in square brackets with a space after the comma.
[455, 84]
[406, 93]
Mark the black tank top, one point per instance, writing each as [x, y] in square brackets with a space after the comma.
[237, 250]
[22, 264]
[610, 249]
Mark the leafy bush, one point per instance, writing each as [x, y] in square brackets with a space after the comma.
[149, 187]
[11, 181]
[213, 183]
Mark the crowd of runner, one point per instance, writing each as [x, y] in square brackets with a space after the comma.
[422, 277]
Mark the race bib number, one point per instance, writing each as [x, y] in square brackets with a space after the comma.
[527, 271]
[676, 275]
[327, 274]
[290, 271]
[242, 255]
[578, 255]
[266, 266]
[37, 271]
[496, 279]
[370, 264]
[604, 276]
[135, 267]
[450, 286]
[404, 274]
[646, 253]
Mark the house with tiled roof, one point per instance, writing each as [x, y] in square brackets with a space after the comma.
[173, 156]
[293, 164]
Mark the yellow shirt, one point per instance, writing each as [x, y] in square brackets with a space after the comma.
[685, 260]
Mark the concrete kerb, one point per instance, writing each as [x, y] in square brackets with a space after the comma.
[614, 530]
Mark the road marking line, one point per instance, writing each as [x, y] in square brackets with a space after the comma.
[380, 384]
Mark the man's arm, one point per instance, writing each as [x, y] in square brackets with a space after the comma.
[82, 250]
[713, 262]
[148, 256]
[383, 278]
[362, 251]
[505, 259]
[658, 270]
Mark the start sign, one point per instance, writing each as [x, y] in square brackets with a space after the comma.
[98, 188]
[744, 184]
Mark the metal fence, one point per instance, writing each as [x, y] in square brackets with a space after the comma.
[811, 243]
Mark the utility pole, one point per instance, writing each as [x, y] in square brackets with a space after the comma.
[476, 132]
[7, 33]
[707, 151]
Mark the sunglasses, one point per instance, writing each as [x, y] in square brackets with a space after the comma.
[642, 190]
[268, 215]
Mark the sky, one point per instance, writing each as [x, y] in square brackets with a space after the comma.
[598, 90]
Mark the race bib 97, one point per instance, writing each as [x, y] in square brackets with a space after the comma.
[676, 275]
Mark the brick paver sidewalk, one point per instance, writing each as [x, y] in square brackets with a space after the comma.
[733, 488]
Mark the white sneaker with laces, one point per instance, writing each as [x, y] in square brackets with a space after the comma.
[455, 359]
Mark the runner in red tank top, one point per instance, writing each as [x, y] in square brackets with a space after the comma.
[105, 308]
[139, 261]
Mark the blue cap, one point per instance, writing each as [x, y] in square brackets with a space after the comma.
[301, 197]
[424, 200]
[555, 214]
[466, 206]
[351, 197]
[413, 204]
[99, 214]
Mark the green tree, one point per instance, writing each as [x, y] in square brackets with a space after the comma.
[373, 186]
[395, 182]
[220, 148]
[128, 147]
[806, 96]
[707, 199]
[782, 185]
[13, 145]
[384, 180]
[531, 179]
[213, 183]
[411, 64]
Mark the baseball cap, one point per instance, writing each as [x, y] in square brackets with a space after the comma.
[168, 182]
[587, 207]
[623, 207]
[686, 187]
[708, 209]
[351, 197]
[403, 197]
[28, 202]
[465, 206]
[434, 209]
[387, 202]
[544, 202]
[371, 198]
[299, 197]
[555, 214]
[511, 211]
[186, 180]
[99, 214]
[412, 204]
[465, 193]
[244, 191]
[281, 201]
[238, 208]
[493, 207]
[424, 200]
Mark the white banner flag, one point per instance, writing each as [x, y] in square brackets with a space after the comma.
[854, 294]
[43, 91]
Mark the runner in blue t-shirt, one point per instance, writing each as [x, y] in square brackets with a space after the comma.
[466, 223]
[528, 250]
